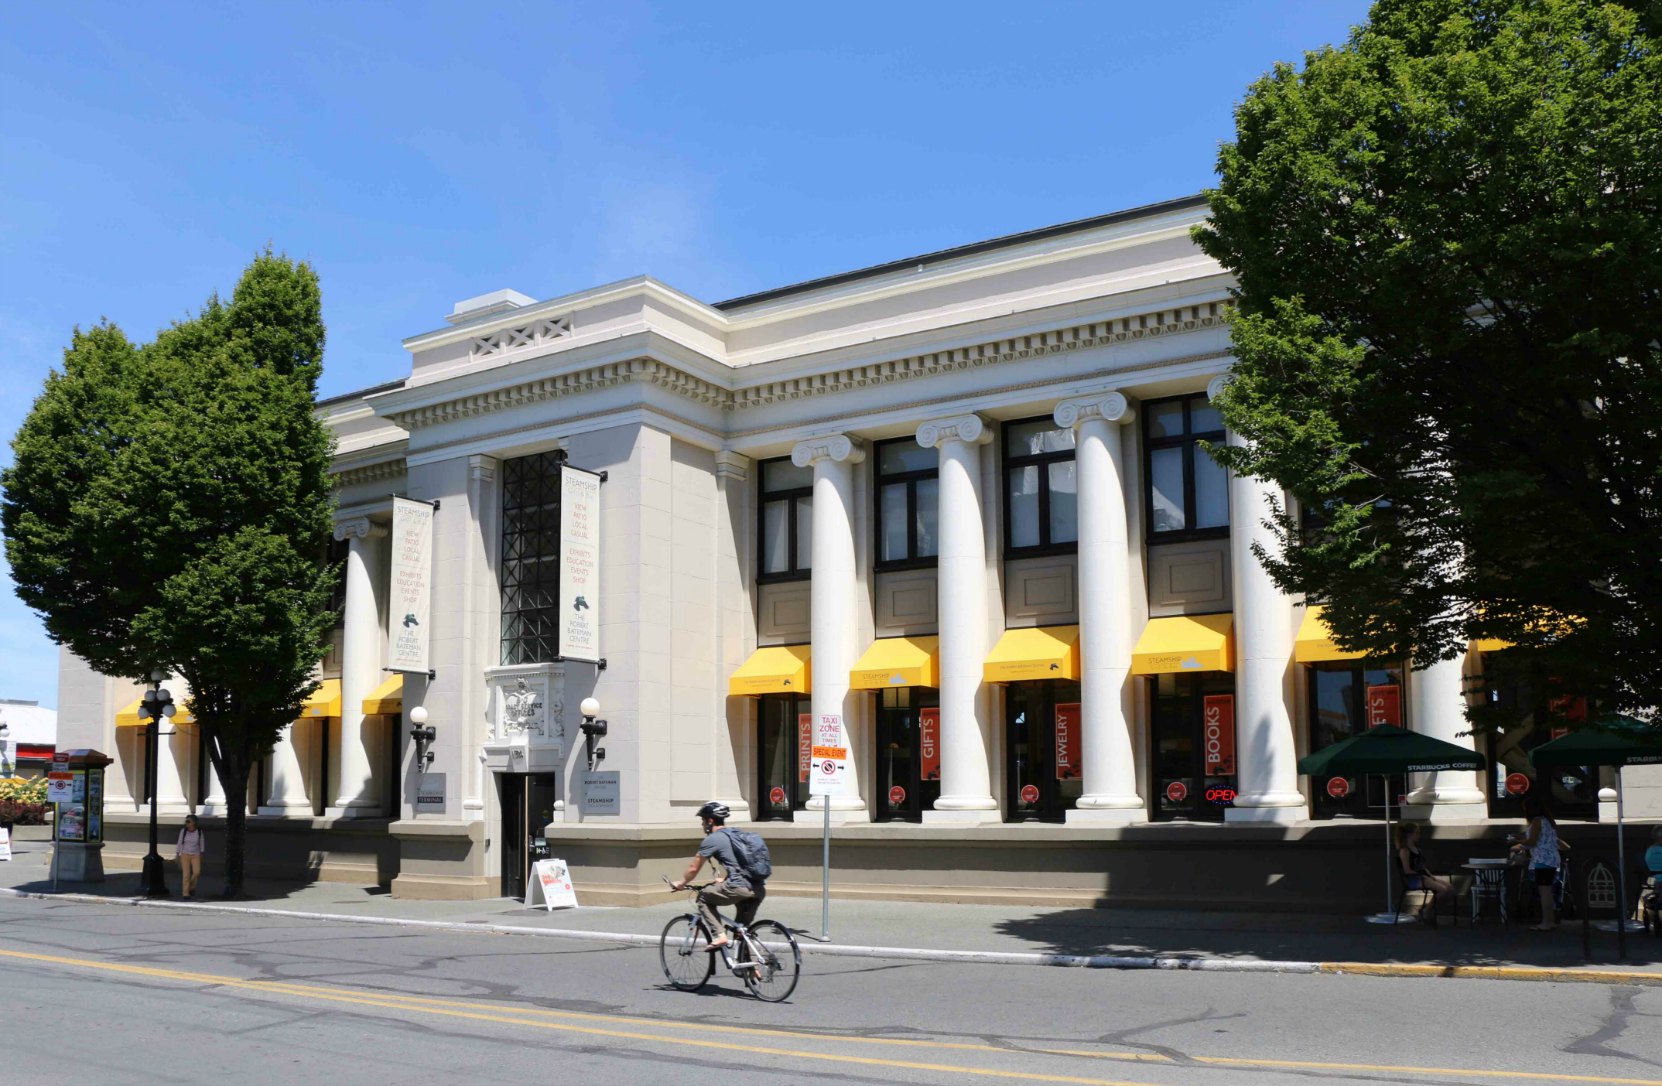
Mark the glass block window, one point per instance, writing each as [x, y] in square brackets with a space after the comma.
[530, 559]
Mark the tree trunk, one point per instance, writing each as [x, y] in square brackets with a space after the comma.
[235, 779]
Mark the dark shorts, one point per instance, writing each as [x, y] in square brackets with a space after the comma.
[1546, 876]
[1415, 882]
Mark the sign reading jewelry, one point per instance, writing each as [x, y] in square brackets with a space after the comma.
[412, 585]
[579, 565]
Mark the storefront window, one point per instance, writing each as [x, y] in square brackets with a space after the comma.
[908, 761]
[1188, 492]
[1347, 697]
[1044, 736]
[1570, 791]
[530, 558]
[1041, 509]
[786, 528]
[908, 501]
[783, 734]
[1193, 737]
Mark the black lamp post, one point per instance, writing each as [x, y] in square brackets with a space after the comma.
[156, 706]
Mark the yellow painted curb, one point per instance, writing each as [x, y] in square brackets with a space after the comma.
[1492, 972]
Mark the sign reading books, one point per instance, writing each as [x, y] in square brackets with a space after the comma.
[1218, 722]
[579, 629]
[410, 602]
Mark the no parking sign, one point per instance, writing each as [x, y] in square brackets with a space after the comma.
[830, 756]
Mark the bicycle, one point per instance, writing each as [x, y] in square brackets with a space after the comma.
[769, 961]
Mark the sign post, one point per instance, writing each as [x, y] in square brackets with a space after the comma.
[827, 777]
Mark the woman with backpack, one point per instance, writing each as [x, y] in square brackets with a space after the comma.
[744, 888]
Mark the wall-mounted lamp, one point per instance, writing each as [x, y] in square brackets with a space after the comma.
[423, 734]
[592, 730]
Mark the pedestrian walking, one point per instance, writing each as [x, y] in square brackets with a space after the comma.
[191, 847]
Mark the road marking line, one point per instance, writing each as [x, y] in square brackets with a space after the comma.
[533, 1016]
[1492, 972]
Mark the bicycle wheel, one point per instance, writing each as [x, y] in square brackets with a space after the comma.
[686, 963]
[774, 977]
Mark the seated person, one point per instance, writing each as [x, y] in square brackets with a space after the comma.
[1653, 857]
[1416, 876]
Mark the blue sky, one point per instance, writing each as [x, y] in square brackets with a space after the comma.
[418, 154]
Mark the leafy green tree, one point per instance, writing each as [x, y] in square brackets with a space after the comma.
[1447, 239]
[169, 506]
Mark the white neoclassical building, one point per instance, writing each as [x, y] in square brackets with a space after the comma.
[959, 500]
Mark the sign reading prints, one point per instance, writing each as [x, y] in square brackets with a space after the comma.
[829, 776]
[412, 586]
[804, 745]
[579, 629]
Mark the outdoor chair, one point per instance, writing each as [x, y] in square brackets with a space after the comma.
[1420, 899]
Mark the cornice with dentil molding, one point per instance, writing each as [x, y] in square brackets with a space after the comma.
[368, 473]
[656, 372]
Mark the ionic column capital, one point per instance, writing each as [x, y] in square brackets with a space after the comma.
[838, 448]
[970, 429]
[359, 528]
[1107, 406]
[1215, 387]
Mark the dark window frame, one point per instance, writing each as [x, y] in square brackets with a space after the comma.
[1010, 464]
[1359, 805]
[764, 498]
[530, 543]
[911, 480]
[1188, 441]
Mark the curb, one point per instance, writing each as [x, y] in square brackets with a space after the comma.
[980, 957]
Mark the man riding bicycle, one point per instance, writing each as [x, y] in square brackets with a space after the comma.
[736, 889]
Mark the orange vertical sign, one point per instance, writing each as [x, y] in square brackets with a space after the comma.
[1385, 705]
[804, 745]
[929, 743]
[1218, 721]
[1067, 741]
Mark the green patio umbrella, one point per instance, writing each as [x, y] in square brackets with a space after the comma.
[1386, 750]
[1612, 740]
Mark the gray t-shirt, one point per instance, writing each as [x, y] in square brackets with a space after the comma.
[719, 846]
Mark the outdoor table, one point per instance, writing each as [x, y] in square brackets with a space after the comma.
[1488, 884]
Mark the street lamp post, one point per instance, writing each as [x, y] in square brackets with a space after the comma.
[156, 706]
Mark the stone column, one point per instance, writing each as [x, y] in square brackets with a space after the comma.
[214, 802]
[1437, 707]
[1266, 754]
[1105, 634]
[355, 750]
[286, 794]
[832, 626]
[961, 572]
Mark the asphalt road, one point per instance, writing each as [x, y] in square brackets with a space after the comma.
[110, 995]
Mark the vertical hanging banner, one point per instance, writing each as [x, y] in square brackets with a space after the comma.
[1218, 721]
[929, 744]
[579, 630]
[411, 599]
[1385, 705]
[1068, 763]
[804, 746]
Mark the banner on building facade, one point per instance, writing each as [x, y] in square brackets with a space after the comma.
[929, 744]
[579, 628]
[1385, 705]
[1068, 763]
[411, 598]
[1218, 722]
[804, 746]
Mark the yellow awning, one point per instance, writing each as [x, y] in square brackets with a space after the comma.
[1315, 641]
[324, 701]
[1489, 644]
[129, 718]
[1185, 643]
[898, 661]
[388, 698]
[1042, 652]
[777, 669]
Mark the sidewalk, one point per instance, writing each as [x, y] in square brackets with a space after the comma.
[1126, 938]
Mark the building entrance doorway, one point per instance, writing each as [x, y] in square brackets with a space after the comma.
[1043, 736]
[783, 739]
[1192, 734]
[527, 808]
[908, 753]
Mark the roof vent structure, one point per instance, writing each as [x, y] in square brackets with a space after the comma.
[486, 305]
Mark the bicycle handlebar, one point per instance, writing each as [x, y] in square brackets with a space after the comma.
[693, 886]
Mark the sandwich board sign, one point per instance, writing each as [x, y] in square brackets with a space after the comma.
[550, 886]
[5, 844]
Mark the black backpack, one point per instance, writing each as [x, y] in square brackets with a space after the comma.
[752, 853]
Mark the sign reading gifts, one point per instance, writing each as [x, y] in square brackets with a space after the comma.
[412, 585]
[1218, 724]
[929, 743]
[1068, 735]
[579, 629]
[829, 776]
[1385, 705]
